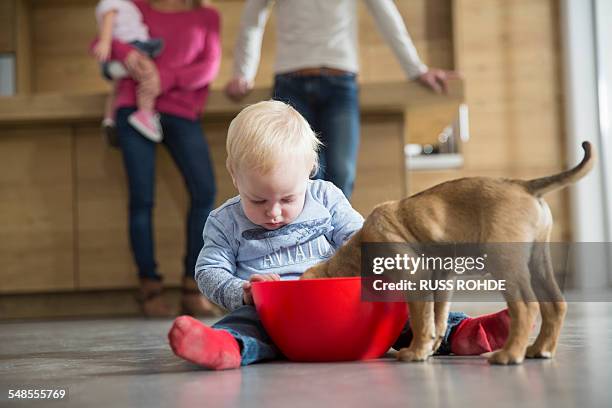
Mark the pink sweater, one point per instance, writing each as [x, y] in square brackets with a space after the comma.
[188, 63]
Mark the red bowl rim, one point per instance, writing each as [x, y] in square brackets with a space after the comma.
[343, 278]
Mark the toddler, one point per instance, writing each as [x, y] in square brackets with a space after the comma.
[121, 20]
[279, 225]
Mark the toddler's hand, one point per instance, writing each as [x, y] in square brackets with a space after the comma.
[102, 51]
[247, 296]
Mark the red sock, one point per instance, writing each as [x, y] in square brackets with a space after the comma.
[194, 341]
[474, 336]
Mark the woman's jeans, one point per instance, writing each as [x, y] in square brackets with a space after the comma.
[256, 345]
[186, 143]
[330, 103]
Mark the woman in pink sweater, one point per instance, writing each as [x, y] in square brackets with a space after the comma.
[182, 75]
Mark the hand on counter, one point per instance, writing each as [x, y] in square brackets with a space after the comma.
[237, 88]
[437, 79]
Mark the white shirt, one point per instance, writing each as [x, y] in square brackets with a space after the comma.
[128, 25]
[317, 33]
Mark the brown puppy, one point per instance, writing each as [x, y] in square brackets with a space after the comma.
[475, 210]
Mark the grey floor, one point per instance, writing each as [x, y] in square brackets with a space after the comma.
[127, 363]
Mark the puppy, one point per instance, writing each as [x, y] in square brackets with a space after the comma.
[475, 210]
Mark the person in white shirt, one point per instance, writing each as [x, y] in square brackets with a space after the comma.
[316, 68]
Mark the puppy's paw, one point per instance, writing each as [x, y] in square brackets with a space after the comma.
[311, 273]
[314, 272]
[413, 355]
[308, 275]
[537, 351]
[504, 357]
[437, 343]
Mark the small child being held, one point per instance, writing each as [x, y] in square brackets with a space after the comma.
[279, 225]
[121, 20]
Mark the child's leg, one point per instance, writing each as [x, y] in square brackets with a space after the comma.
[255, 343]
[147, 92]
[466, 335]
[144, 119]
[109, 106]
[238, 338]
[109, 126]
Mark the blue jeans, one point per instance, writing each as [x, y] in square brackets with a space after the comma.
[256, 345]
[330, 103]
[186, 143]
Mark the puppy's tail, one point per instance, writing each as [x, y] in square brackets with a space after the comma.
[541, 186]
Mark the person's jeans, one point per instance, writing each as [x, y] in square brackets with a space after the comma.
[330, 103]
[256, 345]
[185, 141]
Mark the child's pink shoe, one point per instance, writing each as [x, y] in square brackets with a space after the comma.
[147, 124]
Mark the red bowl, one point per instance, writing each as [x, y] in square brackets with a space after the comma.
[326, 320]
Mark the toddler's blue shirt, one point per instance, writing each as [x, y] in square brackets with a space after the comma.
[235, 248]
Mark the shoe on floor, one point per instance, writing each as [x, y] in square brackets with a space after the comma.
[151, 299]
[147, 123]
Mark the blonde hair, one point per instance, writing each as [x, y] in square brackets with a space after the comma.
[265, 133]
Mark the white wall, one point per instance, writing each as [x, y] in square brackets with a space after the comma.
[603, 34]
[589, 205]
